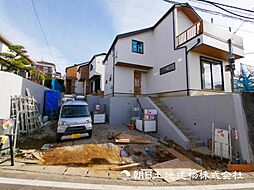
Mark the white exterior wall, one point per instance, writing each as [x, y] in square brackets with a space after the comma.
[79, 87]
[100, 68]
[92, 72]
[12, 84]
[159, 51]
[195, 72]
[221, 38]
[165, 55]
[3, 48]
[182, 22]
[108, 73]
[124, 50]
[124, 80]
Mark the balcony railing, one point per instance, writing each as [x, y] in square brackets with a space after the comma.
[190, 33]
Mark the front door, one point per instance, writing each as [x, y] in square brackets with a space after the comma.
[137, 83]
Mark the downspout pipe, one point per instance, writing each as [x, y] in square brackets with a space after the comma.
[186, 53]
[113, 87]
[187, 67]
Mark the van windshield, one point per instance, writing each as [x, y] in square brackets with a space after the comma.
[69, 111]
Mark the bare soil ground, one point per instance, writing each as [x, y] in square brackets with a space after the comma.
[84, 155]
[101, 151]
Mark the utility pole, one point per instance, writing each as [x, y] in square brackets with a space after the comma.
[231, 62]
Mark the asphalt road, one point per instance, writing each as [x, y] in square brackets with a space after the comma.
[13, 180]
[27, 184]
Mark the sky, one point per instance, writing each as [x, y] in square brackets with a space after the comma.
[78, 29]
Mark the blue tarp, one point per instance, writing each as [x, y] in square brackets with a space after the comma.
[52, 102]
[55, 85]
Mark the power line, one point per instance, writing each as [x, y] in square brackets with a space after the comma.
[44, 35]
[207, 4]
[230, 6]
[232, 12]
[214, 12]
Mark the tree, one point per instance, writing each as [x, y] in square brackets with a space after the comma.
[15, 60]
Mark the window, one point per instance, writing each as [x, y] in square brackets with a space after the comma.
[168, 68]
[137, 47]
[211, 74]
[69, 111]
[91, 67]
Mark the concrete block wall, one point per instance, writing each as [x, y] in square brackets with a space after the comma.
[198, 112]
[12, 84]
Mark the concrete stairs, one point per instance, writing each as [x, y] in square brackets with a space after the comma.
[194, 141]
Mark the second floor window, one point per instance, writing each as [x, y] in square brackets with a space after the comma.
[91, 67]
[137, 46]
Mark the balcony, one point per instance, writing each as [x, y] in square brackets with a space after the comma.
[213, 40]
[190, 33]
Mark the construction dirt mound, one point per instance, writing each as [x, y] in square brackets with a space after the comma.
[84, 155]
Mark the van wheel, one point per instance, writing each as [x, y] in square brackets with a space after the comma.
[90, 133]
[58, 137]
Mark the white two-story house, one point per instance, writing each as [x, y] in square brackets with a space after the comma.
[180, 55]
[97, 73]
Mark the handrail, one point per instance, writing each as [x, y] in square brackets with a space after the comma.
[142, 110]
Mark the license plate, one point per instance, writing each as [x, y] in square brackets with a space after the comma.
[75, 136]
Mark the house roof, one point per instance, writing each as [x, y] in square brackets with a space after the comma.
[97, 56]
[45, 63]
[8, 43]
[84, 64]
[87, 62]
[77, 65]
[119, 36]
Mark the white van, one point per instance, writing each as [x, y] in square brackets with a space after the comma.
[74, 121]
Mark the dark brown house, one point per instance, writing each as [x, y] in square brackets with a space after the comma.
[71, 79]
[83, 76]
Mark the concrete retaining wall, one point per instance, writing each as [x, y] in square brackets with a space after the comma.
[120, 110]
[166, 128]
[91, 100]
[248, 105]
[12, 84]
[198, 112]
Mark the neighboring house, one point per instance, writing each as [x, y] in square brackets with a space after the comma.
[83, 76]
[49, 69]
[97, 73]
[72, 85]
[86, 78]
[180, 55]
[58, 75]
[4, 47]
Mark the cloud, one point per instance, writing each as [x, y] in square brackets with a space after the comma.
[36, 50]
[136, 14]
